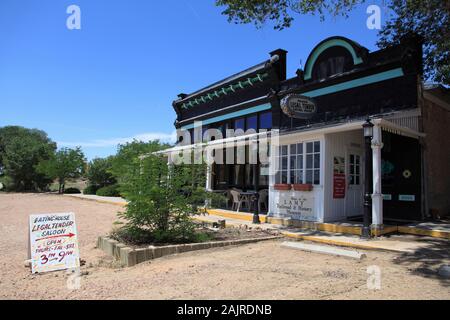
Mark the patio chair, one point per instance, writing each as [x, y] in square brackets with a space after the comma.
[238, 201]
[263, 200]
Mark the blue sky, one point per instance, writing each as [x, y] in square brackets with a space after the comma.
[115, 79]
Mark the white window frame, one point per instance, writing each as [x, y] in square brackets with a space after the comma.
[304, 169]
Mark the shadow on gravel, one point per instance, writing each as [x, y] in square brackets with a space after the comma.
[426, 261]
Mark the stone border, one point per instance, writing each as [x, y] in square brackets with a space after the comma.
[129, 256]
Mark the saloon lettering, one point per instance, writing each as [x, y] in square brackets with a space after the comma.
[53, 242]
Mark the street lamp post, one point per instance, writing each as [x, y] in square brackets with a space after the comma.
[368, 135]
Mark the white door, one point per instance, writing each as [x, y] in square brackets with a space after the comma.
[355, 190]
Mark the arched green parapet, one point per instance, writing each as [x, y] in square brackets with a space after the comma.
[348, 44]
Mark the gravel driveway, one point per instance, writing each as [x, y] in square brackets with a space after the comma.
[256, 271]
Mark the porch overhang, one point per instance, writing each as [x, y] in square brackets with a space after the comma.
[246, 139]
[355, 125]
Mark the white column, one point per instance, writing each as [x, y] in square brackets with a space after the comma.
[377, 196]
[209, 177]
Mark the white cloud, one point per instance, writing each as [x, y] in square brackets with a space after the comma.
[104, 143]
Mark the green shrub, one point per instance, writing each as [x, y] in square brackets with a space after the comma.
[72, 191]
[109, 191]
[90, 190]
[161, 201]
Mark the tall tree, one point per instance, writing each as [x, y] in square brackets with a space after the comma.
[64, 164]
[428, 18]
[122, 163]
[99, 172]
[21, 150]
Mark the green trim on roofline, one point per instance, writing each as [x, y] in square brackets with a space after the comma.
[326, 45]
[231, 115]
[386, 75]
[226, 90]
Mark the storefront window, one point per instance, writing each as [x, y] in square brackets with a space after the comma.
[296, 160]
[252, 123]
[299, 163]
[239, 124]
[265, 120]
[282, 174]
[312, 162]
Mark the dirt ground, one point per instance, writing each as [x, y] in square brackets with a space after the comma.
[257, 271]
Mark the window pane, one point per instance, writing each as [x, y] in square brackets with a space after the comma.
[352, 169]
[299, 162]
[278, 177]
[357, 169]
[300, 148]
[352, 180]
[293, 164]
[317, 161]
[284, 177]
[309, 161]
[293, 149]
[292, 176]
[300, 176]
[357, 180]
[309, 147]
[252, 122]
[239, 124]
[284, 150]
[352, 159]
[309, 176]
[357, 159]
[284, 163]
[316, 177]
[317, 146]
[265, 120]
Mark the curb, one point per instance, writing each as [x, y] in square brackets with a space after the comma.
[130, 257]
[335, 242]
[424, 232]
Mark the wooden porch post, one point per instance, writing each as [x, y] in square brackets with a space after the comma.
[377, 196]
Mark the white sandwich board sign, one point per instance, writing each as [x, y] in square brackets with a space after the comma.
[53, 242]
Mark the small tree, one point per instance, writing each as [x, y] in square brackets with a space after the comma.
[162, 200]
[64, 164]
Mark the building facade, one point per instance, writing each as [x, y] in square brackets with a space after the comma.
[318, 157]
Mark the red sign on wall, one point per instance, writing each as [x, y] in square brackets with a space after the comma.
[339, 186]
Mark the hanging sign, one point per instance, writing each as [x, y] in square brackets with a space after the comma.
[338, 186]
[339, 183]
[53, 242]
[298, 106]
